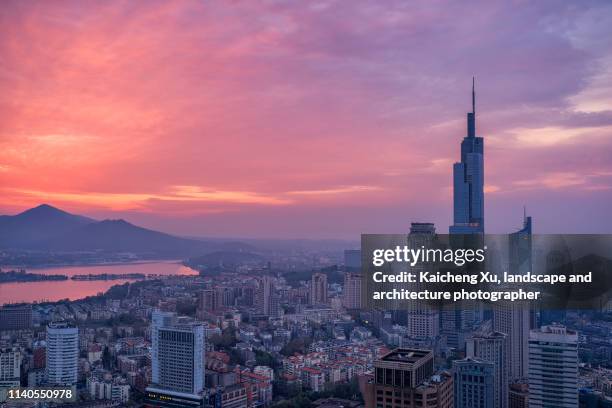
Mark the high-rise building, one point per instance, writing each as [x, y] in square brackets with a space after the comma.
[16, 317]
[208, 300]
[318, 289]
[557, 261]
[422, 318]
[492, 347]
[516, 319]
[520, 248]
[553, 367]
[521, 262]
[513, 318]
[266, 299]
[352, 290]
[518, 395]
[226, 296]
[468, 181]
[474, 383]
[405, 378]
[177, 362]
[62, 356]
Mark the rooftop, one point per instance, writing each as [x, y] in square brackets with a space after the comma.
[404, 355]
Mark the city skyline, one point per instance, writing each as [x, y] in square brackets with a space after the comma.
[315, 120]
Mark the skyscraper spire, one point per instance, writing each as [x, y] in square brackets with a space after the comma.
[473, 96]
[471, 116]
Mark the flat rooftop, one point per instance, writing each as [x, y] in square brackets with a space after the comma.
[405, 355]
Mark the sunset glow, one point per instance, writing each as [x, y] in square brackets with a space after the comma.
[304, 118]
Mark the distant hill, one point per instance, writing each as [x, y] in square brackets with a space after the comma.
[46, 228]
[36, 225]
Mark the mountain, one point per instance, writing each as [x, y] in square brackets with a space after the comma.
[46, 228]
[37, 224]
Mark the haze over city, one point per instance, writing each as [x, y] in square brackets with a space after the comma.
[304, 119]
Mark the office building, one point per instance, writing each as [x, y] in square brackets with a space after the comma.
[468, 181]
[177, 362]
[62, 355]
[405, 378]
[492, 347]
[474, 383]
[318, 289]
[16, 317]
[553, 367]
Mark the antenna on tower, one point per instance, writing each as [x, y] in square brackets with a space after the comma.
[471, 116]
[473, 95]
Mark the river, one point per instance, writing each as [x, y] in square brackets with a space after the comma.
[71, 289]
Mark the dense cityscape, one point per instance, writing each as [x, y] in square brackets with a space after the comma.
[246, 337]
[264, 331]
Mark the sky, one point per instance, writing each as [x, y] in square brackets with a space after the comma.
[305, 118]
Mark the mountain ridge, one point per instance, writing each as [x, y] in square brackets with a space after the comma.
[48, 228]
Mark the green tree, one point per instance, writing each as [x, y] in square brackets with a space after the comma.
[299, 345]
[265, 359]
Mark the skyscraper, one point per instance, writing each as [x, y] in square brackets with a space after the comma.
[318, 289]
[553, 367]
[422, 319]
[468, 181]
[177, 361]
[474, 383]
[515, 319]
[512, 318]
[62, 353]
[520, 248]
[492, 347]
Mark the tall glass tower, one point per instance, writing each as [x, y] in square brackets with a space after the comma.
[468, 181]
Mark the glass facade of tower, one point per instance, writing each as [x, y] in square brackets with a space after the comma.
[468, 182]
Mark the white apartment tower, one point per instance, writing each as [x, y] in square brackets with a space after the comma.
[62, 353]
[553, 367]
